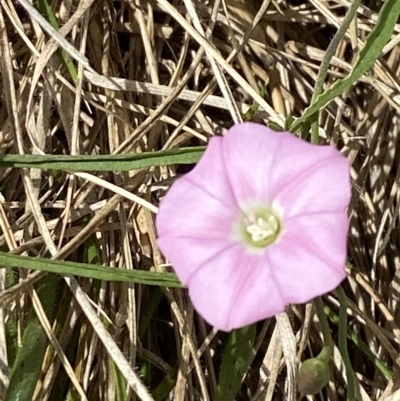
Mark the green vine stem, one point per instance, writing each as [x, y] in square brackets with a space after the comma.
[330, 52]
[319, 305]
[351, 393]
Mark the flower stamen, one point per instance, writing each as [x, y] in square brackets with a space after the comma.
[260, 227]
[263, 229]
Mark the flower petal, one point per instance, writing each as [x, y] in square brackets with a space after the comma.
[259, 297]
[262, 163]
[188, 254]
[201, 203]
[249, 152]
[235, 289]
[210, 173]
[323, 187]
[310, 257]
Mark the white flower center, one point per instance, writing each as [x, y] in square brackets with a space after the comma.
[259, 227]
[262, 228]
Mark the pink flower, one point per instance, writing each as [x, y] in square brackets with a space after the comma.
[259, 223]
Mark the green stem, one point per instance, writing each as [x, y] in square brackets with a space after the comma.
[334, 318]
[328, 342]
[331, 50]
[326, 61]
[351, 393]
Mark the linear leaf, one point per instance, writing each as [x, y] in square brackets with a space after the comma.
[88, 270]
[104, 162]
[27, 368]
[235, 362]
[374, 44]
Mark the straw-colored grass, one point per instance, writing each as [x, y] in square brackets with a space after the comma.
[155, 75]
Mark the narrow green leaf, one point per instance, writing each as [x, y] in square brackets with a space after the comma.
[355, 338]
[92, 256]
[351, 386]
[88, 270]
[45, 9]
[120, 382]
[105, 162]
[28, 363]
[235, 362]
[326, 61]
[248, 116]
[12, 340]
[374, 44]
[166, 386]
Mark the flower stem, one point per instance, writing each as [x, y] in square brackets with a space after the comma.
[328, 342]
[343, 344]
[330, 52]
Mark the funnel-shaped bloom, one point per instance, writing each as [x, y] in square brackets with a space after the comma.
[259, 223]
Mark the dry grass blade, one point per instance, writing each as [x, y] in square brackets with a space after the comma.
[58, 36]
[270, 368]
[117, 190]
[223, 85]
[289, 351]
[172, 11]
